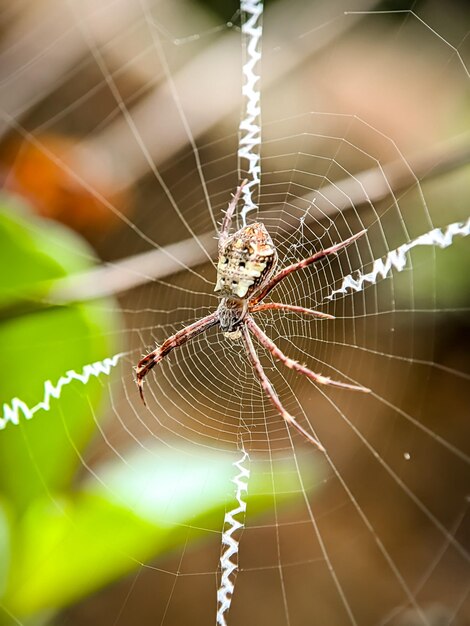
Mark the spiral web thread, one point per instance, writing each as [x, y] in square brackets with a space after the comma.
[250, 125]
[231, 527]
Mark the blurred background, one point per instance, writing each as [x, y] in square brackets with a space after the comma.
[118, 153]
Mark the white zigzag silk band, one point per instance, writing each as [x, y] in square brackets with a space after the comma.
[249, 155]
[250, 125]
[397, 258]
[230, 544]
[12, 411]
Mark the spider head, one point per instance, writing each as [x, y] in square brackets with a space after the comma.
[247, 260]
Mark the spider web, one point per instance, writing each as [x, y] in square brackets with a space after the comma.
[361, 111]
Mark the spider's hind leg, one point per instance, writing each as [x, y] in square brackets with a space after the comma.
[268, 388]
[294, 365]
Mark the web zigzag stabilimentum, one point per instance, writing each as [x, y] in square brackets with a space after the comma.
[12, 411]
[249, 150]
[250, 125]
[231, 526]
[441, 237]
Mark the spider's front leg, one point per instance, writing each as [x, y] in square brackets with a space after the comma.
[304, 263]
[224, 231]
[268, 388]
[178, 339]
[280, 306]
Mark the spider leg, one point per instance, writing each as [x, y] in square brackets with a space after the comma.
[280, 306]
[178, 339]
[229, 215]
[269, 391]
[305, 263]
[294, 365]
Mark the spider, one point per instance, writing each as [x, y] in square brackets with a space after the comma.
[245, 276]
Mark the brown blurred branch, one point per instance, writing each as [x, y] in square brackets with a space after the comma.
[369, 186]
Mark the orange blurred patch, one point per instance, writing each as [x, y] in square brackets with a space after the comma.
[63, 181]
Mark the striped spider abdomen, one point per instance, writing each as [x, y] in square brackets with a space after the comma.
[247, 260]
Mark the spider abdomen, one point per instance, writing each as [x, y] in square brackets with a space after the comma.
[246, 261]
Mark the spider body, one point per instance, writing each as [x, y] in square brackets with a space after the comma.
[247, 260]
[245, 276]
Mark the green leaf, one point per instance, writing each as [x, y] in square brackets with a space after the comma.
[38, 249]
[42, 454]
[5, 545]
[169, 487]
[135, 511]
[68, 547]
